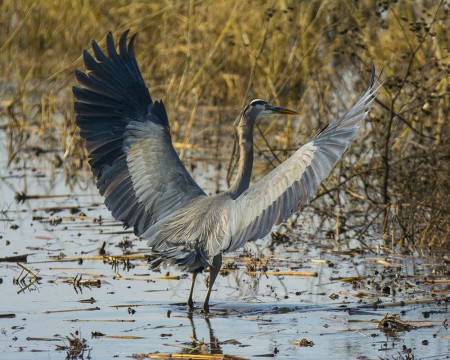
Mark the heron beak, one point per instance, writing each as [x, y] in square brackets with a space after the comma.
[281, 110]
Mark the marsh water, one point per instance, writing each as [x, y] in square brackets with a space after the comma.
[74, 284]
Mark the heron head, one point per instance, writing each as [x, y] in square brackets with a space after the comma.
[259, 108]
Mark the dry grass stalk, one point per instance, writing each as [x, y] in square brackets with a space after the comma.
[70, 310]
[190, 356]
[284, 273]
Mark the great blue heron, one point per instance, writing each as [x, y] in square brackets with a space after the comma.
[146, 186]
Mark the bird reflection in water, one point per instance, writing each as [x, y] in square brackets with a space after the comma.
[199, 346]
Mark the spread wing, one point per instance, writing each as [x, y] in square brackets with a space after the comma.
[128, 139]
[275, 197]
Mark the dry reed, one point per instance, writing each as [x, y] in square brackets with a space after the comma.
[206, 58]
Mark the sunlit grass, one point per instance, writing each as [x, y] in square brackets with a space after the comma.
[206, 59]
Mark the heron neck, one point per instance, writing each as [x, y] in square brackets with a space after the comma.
[244, 173]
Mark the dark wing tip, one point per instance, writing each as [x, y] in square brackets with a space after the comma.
[99, 54]
[75, 91]
[110, 46]
[89, 61]
[86, 54]
[79, 74]
[131, 46]
[375, 84]
[123, 43]
[372, 76]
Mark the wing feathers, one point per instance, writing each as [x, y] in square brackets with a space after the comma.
[112, 96]
[292, 184]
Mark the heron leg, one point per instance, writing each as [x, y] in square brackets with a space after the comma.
[213, 272]
[190, 302]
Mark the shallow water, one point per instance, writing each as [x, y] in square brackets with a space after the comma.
[254, 315]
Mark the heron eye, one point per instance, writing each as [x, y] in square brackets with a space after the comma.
[266, 106]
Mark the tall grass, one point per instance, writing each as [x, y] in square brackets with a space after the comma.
[207, 58]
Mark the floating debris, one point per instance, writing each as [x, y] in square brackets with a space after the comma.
[96, 334]
[15, 258]
[285, 273]
[409, 302]
[388, 264]
[334, 296]
[78, 281]
[303, 342]
[88, 301]
[20, 281]
[131, 311]
[70, 310]
[189, 356]
[42, 339]
[76, 347]
[349, 279]
[21, 197]
[7, 316]
[168, 277]
[393, 323]
[103, 320]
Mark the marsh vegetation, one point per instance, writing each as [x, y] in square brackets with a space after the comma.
[377, 232]
[206, 60]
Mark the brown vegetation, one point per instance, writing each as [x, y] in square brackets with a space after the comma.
[206, 58]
